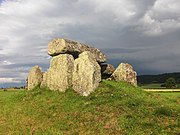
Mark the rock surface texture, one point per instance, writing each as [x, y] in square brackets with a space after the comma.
[62, 46]
[125, 72]
[59, 75]
[86, 74]
[34, 78]
[106, 70]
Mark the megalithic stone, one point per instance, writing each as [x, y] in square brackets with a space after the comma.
[59, 75]
[34, 78]
[62, 46]
[125, 72]
[86, 74]
[106, 70]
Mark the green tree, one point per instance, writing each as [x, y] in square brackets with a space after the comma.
[170, 83]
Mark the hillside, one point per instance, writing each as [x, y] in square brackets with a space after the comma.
[161, 78]
[114, 108]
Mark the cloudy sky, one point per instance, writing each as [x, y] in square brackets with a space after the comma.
[144, 33]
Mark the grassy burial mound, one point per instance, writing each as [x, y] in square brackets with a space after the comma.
[114, 108]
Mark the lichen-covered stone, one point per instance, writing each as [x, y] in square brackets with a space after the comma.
[106, 70]
[62, 46]
[125, 72]
[86, 74]
[34, 77]
[59, 75]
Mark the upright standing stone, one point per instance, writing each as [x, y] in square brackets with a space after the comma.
[86, 74]
[34, 77]
[59, 75]
[62, 46]
[125, 72]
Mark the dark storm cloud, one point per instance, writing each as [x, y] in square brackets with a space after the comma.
[144, 33]
[119, 50]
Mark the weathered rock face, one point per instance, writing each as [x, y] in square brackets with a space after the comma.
[59, 75]
[86, 74]
[62, 46]
[125, 72]
[106, 70]
[34, 77]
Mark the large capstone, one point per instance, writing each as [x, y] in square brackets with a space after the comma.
[59, 75]
[62, 46]
[34, 77]
[106, 70]
[125, 72]
[86, 74]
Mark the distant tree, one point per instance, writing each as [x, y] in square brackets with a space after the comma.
[170, 83]
[5, 90]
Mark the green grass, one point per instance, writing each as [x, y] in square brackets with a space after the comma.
[114, 108]
[156, 86]
[170, 95]
[151, 86]
[173, 97]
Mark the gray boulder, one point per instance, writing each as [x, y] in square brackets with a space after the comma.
[125, 72]
[34, 77]
[59, 75]
[86, 74]
[62, 46]
[106, 70]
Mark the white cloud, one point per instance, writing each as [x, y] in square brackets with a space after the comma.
[5, 62]
[162, 18]
[167, 6]
[122, 10]
[26, 27]
[8, 80]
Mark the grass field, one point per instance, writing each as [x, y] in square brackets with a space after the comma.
[114, 108]
[170, 95]
[151, 86]
[155, 86]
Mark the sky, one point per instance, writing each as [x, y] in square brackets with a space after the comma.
[144, 33]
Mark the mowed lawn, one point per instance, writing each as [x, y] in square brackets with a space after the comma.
[151, 86]
[156, 86]
[114, 108]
